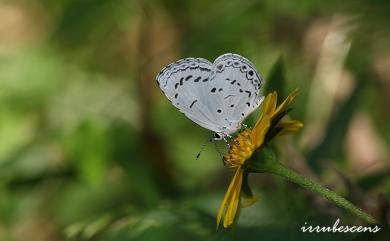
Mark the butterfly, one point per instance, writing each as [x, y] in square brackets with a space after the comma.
[217, 96]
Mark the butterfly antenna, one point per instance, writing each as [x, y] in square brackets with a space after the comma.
[203, 147]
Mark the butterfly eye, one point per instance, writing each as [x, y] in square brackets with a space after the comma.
[217, 136]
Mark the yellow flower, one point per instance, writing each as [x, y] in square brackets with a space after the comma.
[245, 144]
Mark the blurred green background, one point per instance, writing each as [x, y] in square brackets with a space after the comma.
[90, 149]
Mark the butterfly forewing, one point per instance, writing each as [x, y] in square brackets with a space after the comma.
[216, 96]
[182, 82]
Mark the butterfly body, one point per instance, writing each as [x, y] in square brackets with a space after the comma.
[217, 96]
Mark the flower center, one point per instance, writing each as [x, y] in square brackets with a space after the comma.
[241, 149]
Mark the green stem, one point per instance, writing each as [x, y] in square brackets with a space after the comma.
[268, 163]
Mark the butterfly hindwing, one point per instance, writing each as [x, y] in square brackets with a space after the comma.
[242, 83]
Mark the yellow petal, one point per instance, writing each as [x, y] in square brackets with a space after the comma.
[260, 130]
[269, 105]
[289, 127]
[287, 101]
[272, 103]
[263, 123]
[248, 201]
[233, 205]
[229, 204]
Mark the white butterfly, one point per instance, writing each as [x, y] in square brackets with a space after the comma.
[217, 96]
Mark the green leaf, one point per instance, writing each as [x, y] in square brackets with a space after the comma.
[333, 143]
[276, 80]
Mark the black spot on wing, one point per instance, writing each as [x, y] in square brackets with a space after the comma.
[248, 92]
[188, 77]
[229, 96]
[197, 79]
[193, 102]
[213, 90]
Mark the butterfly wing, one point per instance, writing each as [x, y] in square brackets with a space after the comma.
[234, 91]
[216, 96]
[183, 83]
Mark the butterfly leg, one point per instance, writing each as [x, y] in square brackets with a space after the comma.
[226, 140]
